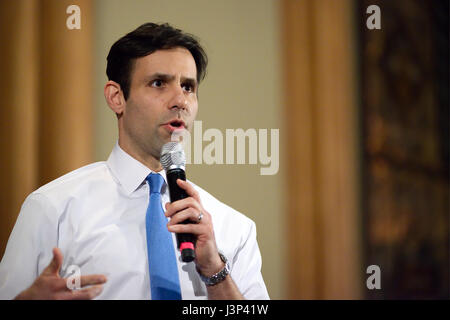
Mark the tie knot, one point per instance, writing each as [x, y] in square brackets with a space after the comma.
[156, 181]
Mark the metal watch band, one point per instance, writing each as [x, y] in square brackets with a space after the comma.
[219, 276]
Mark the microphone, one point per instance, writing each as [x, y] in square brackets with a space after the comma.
[173, 161]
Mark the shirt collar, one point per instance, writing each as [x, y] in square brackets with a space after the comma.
[127, 170]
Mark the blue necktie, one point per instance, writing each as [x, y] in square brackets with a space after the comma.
[162, 264]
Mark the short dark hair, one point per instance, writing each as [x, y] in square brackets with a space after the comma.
[145, 40]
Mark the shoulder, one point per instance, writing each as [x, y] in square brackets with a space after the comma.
[76, 177]
[56, 192]
[211, 201]
[224, 216]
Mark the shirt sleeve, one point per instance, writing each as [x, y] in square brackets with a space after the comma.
[29, 248]
[246, 269]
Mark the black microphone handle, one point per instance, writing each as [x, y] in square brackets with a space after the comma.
[186, 240]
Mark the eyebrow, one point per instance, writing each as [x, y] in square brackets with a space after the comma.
[169, 77]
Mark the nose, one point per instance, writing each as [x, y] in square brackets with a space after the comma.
[179, 100]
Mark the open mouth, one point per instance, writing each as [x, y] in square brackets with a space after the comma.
[175, 125]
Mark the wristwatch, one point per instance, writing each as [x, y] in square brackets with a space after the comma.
[219, 276]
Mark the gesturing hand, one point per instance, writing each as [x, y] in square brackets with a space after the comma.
[50, 286]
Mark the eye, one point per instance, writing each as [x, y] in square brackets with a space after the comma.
[188, 87]
[157, 83]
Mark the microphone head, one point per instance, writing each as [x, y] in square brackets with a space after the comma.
[172, 156]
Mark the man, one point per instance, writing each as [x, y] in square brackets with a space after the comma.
[96, 218]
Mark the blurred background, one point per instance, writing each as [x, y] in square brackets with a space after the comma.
[363, 118]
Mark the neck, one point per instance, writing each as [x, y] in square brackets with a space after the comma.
[148, 160]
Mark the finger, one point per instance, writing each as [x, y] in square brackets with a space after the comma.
[193, 228]
[92, 279]
[187, 214]
[189, 189]
[180, 205]
[83, 294]
[56, 263]
[87, 280]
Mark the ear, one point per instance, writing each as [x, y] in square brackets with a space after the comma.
[114, 97]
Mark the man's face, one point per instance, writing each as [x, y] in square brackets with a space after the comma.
[162, 99]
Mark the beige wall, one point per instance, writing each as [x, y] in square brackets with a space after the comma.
[241, 90]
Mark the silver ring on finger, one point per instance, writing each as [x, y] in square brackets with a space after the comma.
[200, 217]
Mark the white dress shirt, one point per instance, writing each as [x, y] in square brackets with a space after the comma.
[96, 216]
